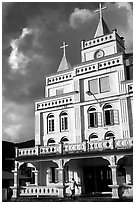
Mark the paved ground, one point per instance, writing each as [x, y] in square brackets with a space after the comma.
[78, 199]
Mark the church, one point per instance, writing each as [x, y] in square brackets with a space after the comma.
[83, 123]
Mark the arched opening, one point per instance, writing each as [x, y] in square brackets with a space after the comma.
[64, 140]
[92, 117]
[26, 175]
[50, 123]
[109, 135]
[107, 114]
[93, 137]
[63, 121]
[110, 115]
[51, 142]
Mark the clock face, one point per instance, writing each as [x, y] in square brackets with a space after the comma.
[99, 53]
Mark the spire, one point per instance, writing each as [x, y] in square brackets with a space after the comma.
[64, 64]
[102, 28]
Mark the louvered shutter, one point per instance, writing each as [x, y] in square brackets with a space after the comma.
[56, 175]
[96, 119]
[50, 175]
[115, 117]
[111, 117]
[99, 119]
[88, 119]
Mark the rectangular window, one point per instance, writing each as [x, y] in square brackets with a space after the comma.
[53, 175]
[51, 125]
[93, 86]
[104, 84]
[64, 123]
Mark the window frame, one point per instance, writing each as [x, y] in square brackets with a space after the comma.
[113, 115]
[50, 123]
[92, 112]
[63, 121]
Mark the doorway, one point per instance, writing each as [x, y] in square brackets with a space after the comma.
[97, 179]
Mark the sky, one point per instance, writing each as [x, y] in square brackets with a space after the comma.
[32, 34]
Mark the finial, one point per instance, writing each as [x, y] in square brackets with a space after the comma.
[64, 48]
[100, 10]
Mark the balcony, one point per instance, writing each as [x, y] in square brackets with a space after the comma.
[84, 147]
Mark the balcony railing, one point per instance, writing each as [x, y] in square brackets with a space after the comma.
[125, 143]
[38, 191]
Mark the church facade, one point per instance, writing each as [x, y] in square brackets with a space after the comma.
[84, 123]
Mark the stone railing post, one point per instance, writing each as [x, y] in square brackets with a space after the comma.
[16, 152]
[16, 181]
[37, 149]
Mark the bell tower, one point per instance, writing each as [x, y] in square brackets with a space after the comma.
[104, 42]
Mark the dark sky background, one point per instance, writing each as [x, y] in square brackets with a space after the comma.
[32, 34]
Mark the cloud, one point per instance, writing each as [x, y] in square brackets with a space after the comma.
[17, 59]
[18, 121]
[79, 17]
[127, 30]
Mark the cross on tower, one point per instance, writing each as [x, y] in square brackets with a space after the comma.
[64, 48]
[100, 10]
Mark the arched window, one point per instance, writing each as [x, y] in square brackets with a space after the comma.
[64, 139]
[94, 118]
[93, 137]
[110, 115]
[109, 135]
[50, 124]
[63, 121]
[51, 142]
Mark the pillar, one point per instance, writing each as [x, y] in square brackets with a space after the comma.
[16, 181]
[114, 185]
[36, 176]
[61, 184]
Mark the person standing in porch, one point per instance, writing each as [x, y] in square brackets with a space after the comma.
[73, 184]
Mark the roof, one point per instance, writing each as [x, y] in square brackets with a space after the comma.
[102, 28]
[64, 64]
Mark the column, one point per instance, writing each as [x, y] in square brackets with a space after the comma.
[16, 181]
[114, 185]
[36, 176]
[61, 185]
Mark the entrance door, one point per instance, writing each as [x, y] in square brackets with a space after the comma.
[97, 179]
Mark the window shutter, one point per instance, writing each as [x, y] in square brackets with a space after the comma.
[50, 175]
[56, 175]
[99, 119]
[111, 117]
[115, 117]
[88, 119]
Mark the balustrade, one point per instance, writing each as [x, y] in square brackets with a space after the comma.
[100, 145]
[75, 147]
[27, 151]
[49, 149]
[38, 190]
[124, 143]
